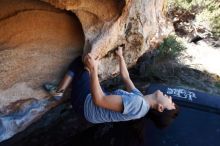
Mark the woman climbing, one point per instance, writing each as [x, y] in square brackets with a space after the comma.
[97, 106]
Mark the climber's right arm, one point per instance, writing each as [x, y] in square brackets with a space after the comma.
[124, 71]
[111, 102]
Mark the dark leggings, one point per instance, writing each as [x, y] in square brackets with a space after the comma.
[80, 84]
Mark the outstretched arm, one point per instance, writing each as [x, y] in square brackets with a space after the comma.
[124, 71]
[112, 102]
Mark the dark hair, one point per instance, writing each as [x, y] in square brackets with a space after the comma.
[131, 133]
[165, 118]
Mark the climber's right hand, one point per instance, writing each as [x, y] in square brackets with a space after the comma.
[91, 63]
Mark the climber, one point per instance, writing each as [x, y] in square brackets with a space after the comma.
[95, 105]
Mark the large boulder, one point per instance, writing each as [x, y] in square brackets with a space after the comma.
[108, 23]
[38, 41]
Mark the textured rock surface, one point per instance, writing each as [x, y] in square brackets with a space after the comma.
[109, 23]
[38, 41]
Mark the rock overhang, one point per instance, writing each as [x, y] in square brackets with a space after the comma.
[51, 38]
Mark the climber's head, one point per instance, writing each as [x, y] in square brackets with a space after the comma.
[162, 108]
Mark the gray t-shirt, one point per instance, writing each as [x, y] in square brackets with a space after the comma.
[134, 104]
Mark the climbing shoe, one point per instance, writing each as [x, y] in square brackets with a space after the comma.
[52, 90]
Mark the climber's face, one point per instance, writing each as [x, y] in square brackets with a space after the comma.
[163, 101]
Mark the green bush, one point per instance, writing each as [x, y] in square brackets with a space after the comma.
[216, 25]
[207, 11]
[217, 84]
[170, 48]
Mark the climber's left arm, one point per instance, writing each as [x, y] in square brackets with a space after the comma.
[124, 71]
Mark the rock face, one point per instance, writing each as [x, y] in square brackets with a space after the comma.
[38, 41]
[109, 23]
